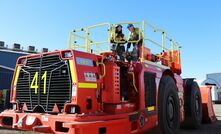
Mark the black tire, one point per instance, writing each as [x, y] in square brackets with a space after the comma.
[216, 102]
[168, 106]
[192, 106]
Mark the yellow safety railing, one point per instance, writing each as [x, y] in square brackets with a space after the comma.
[87, 43]
[173, 45]
[99, 43]
[72, 43]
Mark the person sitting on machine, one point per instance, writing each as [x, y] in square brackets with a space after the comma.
[136, 39]
[118, 39]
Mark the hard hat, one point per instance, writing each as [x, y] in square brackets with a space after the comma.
[130, 25]
[119, 25]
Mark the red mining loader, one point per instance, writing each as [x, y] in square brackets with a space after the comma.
[93, 89]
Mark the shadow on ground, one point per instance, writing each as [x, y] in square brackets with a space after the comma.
[214, 128]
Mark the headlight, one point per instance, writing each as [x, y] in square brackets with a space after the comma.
[67, 54]
[14, 106]
[72, 110]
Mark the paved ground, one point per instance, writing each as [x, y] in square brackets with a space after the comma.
[214, 128]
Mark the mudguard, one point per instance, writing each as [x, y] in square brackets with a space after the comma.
[208, 111]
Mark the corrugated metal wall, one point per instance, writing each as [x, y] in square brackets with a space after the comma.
[5, 78]
[7, 59]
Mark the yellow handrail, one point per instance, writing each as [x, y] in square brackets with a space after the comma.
[85, 35]
[133, 81]
[104, 69]
[88, 42]
[173, 45]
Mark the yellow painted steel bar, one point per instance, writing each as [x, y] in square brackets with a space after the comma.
[79, 36]
[143, 34]
[73, 71]
[18, 69]
[157, 30]
[157, 44]
[123, 23]
[79, 30]
[99, 25]
[79, 46]
[88, 44]
[172, 44]
[101, 42]
[133, 81]
[111, 30]
[153, 27]
[163, 40]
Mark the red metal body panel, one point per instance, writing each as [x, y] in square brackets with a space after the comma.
[208, 112]
[172, 59]
[68, 123]
[81, 69]
[111, 92]
[107, 110]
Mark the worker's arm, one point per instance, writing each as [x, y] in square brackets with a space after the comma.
[112, 37]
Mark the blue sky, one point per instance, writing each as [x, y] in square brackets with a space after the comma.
[195, 24]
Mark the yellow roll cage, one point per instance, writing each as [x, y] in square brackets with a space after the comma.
[84, 34]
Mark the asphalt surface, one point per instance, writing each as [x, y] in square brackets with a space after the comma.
[214, 128]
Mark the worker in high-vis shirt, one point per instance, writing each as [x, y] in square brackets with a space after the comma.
[118, 39]
[136, 39]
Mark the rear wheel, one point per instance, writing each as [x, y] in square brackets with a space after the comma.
[192, 105]
[168, 106]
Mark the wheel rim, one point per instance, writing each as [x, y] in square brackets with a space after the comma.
[170, 111]
[197, 105]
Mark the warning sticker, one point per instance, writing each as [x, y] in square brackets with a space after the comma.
[84, 61]
[90, 77]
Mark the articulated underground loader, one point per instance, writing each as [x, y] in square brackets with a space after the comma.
[88, 89]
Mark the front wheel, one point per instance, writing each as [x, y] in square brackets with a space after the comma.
[168, 106]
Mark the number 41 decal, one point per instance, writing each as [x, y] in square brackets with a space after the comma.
[34, 83]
